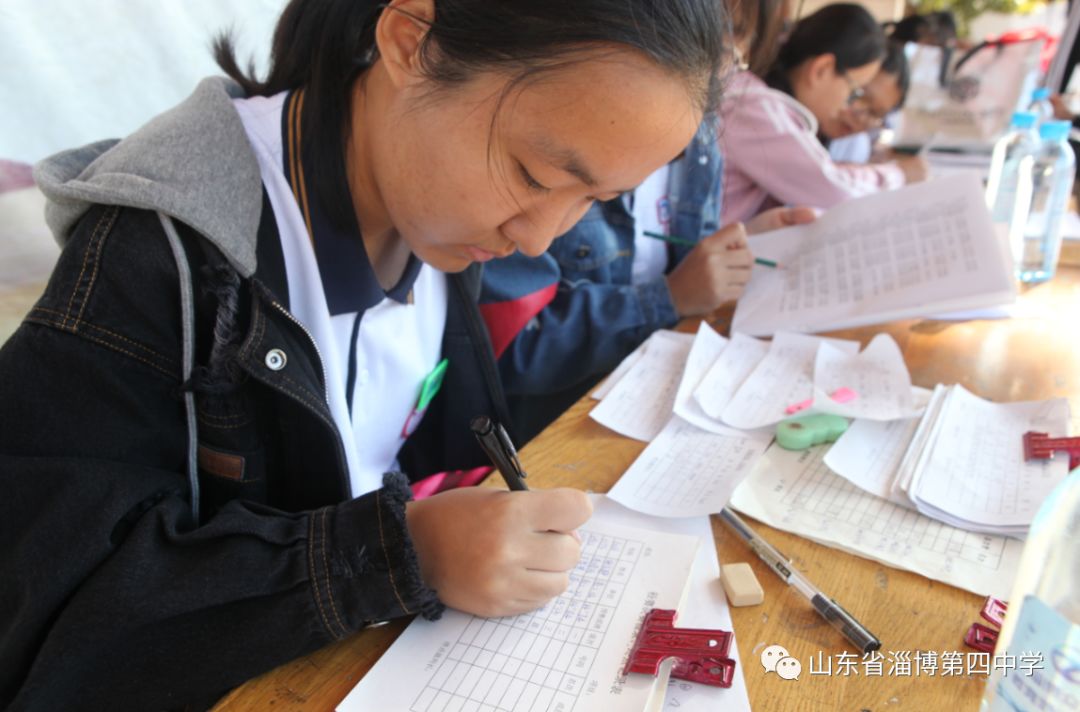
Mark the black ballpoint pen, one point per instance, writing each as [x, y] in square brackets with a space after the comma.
[500, 449]
[829, 609]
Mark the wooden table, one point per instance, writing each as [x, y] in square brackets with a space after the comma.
[1035, 355]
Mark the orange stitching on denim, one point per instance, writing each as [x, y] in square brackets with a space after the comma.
[135, 356]
[86, 255]
[326, 568]
[121, 337]
[108, 345]
[97, 262]
[314, 578]
[249, 345]
[310, 396]
[215, 426]
[389, 566]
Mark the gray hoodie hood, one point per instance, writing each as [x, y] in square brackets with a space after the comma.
[192, 163]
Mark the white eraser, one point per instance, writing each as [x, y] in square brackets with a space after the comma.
[740, 585]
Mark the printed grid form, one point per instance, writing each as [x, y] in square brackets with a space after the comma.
[539, 661]
[691, 478]
[913, 249]
[884, 525]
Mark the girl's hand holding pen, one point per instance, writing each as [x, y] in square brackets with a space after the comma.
[496, 553]
[714, 272]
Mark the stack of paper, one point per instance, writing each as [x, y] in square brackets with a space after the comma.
[962, 463]
[744, 384]
[726, 395]
[795, 491]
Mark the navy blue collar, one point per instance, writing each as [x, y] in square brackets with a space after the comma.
[348, 278]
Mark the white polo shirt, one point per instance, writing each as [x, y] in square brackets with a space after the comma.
[652, 213]
[333, 293]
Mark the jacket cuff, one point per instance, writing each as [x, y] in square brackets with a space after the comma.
[362, 563]
[656, 304]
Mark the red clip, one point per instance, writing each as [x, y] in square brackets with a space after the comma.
[700, 655]
[994, 611]
[1040, 446]
[984, 638]
[981, 638]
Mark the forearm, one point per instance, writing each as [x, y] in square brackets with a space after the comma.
[167, 616]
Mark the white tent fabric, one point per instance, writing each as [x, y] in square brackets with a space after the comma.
[73, 71]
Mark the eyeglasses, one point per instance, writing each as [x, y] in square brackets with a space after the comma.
[862, 109]
[857, 93]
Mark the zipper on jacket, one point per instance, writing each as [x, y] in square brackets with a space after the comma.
[343, 463]
[322, 367]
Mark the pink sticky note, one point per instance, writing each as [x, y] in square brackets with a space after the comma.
[840, 395]
[844, 395]
[796, 407]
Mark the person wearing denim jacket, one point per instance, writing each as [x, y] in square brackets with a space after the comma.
[560, 321]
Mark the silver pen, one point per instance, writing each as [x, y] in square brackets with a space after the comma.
[829, 609]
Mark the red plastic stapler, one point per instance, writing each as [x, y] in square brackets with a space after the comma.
[700, 655]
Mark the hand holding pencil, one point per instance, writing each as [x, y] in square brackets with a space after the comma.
[714, 272]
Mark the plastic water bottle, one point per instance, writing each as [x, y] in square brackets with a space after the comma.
[1040, 104]
[1021, 140]
[1042, 625]
[1037, 246]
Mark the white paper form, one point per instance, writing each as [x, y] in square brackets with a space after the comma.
[920, 442]
[567, 656]
[869, 453]
[708, 347]
[641, 403]
[878, 375]
[688, 472]
[627, 363]
[922, 249]
[796, 492]
[706, 607]
[783, 378]
[734, 365]
[975, 475]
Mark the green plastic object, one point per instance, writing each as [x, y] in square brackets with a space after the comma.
[809, 430]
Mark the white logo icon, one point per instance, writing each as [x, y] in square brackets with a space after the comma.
[776, 658]
[788, 668]
[772, 655]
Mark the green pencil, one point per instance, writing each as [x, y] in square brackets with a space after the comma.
[676, 240]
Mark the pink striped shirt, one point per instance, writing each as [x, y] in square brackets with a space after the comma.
[772, 155]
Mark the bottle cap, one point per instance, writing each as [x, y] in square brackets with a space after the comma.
[1054, 130]
[1040, 93]
[1024, 119]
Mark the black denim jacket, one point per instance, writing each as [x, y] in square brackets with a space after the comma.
[111, 597]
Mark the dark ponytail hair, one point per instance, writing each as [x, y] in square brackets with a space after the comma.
[895, 64]
[846, 31]
[934, 28]
[325, 45]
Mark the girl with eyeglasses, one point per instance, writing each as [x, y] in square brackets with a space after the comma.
[769, 128]
[851, 137]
